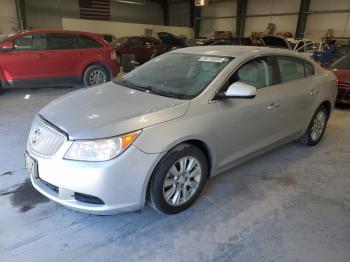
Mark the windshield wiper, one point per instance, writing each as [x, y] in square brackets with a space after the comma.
[149, 89]
[160, 92]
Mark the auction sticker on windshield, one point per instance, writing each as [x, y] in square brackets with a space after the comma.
[212, 59]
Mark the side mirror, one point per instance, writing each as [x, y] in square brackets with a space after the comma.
[240, 90]
[7, 46]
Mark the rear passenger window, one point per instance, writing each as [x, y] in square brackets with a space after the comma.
[134, 41]
[88, 42]
[255, 73]
[62, 42]
[290, 68]
[309, 69]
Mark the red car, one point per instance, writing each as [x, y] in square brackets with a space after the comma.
[145, 48]
[341, 68]
[41, 58]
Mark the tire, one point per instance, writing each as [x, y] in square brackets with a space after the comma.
[316, 129]
[96, 75]
[171, 192]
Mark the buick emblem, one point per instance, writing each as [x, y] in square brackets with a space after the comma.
[36, 136]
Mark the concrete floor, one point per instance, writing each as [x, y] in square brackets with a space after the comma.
[292, 204]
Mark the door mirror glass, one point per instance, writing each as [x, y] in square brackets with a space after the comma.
[240, 90]
[7, 46]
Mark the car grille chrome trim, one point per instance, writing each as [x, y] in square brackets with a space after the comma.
[44, 138]
[343, 84]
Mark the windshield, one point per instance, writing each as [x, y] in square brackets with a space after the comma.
[177, 75]
[342, 63]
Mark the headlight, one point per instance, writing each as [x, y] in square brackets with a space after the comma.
[100, 149]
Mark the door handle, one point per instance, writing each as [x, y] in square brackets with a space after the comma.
[313, 92]
[273, 106]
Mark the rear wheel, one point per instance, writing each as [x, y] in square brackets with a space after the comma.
[96, 75]
[178, 179]
[317, 127]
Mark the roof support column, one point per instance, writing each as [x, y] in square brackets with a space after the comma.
[302, 18]
[240, 17]
[165, 8]
[195, 19]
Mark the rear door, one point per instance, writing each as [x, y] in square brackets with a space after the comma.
[63, 53]
[135, 46]
[248, 125]
[27, 60]
[151, 46]
[300, 89]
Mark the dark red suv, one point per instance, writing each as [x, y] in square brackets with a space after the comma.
[41, 58]
[144, 48]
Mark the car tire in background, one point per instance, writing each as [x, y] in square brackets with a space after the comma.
[178, 179]
[317, 127]
[96, 75]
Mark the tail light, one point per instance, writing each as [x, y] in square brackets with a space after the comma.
[114, 55]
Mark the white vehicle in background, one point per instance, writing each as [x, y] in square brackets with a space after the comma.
[304, 46]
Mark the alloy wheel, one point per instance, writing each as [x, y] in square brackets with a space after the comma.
[182, 181]
[97, 77]
[318, 125]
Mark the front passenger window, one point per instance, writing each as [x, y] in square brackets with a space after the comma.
[255, 73]
[23, 43]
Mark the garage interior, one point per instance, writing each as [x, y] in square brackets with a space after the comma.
[291, 204]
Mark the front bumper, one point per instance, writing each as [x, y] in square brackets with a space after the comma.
[120, 184]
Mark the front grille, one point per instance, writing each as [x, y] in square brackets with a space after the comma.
[44, 138]
[88, 199]
[341, 84]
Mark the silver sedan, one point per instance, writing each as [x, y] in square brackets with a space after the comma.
[159, 133]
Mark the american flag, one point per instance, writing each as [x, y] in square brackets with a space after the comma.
[95, 9]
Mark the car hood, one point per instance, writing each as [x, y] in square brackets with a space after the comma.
[170, 39]
[110, 110]
[275, 41]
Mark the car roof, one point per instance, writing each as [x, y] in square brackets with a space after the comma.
[235, 51]
[47, 31]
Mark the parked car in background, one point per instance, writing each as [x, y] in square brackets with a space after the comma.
[341, 69]
[223, 41]
[144, 48]
[41, 58]
[111, 39]
[304, 46]
[160, 132]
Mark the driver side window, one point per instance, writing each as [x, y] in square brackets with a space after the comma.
[256, 73]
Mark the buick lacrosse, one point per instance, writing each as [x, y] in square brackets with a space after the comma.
[158, 134]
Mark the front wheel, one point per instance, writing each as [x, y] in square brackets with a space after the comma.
[96, 75]
[178, 179]
[317, 127]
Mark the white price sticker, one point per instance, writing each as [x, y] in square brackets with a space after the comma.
[212, 59]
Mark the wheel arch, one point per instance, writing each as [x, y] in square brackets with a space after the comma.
[204, 147]
[98, 64]
[328, 106]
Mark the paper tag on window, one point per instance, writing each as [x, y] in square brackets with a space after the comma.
[212, 59]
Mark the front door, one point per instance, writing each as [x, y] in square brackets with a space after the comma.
[247, 125]
[27, 61]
